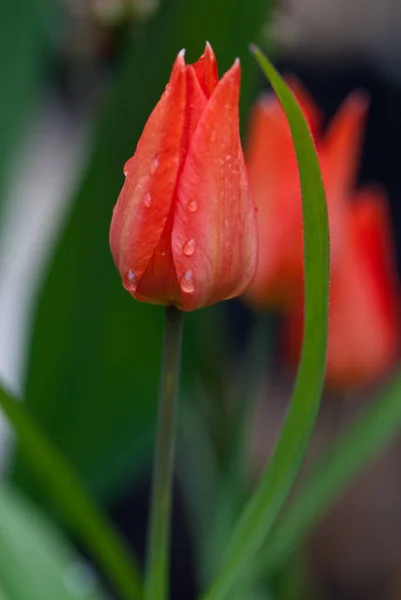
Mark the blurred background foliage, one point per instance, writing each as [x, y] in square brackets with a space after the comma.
[22, 68]
[36, 562]
[79, 80]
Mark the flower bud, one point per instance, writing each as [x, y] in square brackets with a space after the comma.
[183, 230]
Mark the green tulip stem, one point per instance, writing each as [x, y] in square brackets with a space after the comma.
[156, 580]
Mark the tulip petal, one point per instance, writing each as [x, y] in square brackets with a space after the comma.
[274, 179]
[310, 109]
[206, 71]
[214, 241]
[340, 150]
[364, 320]
[159, 282]
[196, 101]
[371, 228]
[145, 200]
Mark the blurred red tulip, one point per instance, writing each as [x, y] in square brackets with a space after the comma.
[364, 325]
[184, 230]
[274, 179]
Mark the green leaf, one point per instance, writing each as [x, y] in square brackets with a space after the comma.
[21, 65]
[76, 507]
[336, 468]
[35, 561]
[95, 355]
[262, 509]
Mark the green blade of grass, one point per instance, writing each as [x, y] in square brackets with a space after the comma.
[262, 509]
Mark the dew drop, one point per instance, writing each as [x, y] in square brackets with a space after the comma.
[130, 282]
[213, 136]
[256, 210]
[192, 206]
[143, 182]
[187, 283]
[148, 199]
[154, 166]
[126, 167]
[189, 247]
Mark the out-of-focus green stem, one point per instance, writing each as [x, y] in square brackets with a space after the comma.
[157, 582]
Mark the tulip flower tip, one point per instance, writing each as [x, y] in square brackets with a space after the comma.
[172, 240]
[360, 99]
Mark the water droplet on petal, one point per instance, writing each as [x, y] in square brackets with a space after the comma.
[193, 206]
[143, 182]
[212, 136]
[154, 166]
[130, 282]
[148, 199]
[189, 247]
[187, 283]
[126, 166]
[256, 210]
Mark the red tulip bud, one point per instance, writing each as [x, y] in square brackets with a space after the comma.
[183, 230]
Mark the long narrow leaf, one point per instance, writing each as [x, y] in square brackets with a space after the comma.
[75, 505]
[341, 462]
[261, 511]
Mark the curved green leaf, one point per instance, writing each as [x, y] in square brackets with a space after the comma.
[336, 468]
[262, 509]
[74, 504]
[35, 561]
